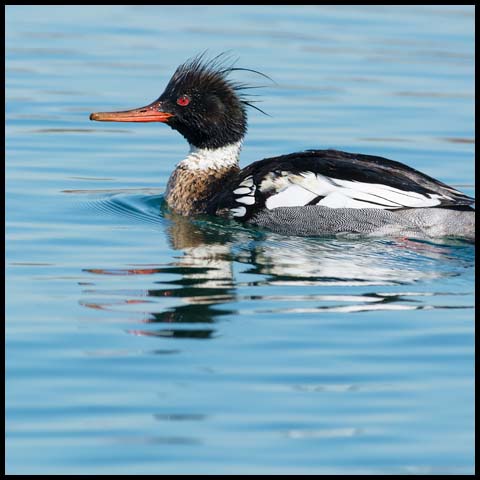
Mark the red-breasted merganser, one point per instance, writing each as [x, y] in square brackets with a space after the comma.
[314, 192]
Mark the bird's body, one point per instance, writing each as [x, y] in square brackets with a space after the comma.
[314, 192]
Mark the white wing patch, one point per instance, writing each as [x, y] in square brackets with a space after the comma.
[247, 182]
[385, 193]
[244, 194]
[303, 189]
[247, 200]
[239, 211]
[242, 191]
[292, 196]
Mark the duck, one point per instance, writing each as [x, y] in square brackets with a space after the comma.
[315, 192]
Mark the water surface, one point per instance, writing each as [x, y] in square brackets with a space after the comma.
[141, 342]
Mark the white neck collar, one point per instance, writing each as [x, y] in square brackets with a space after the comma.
[217, 158]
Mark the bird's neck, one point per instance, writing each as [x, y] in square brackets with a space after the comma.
[198, 177]
[212, 158]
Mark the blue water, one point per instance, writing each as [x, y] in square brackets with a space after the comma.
[144, 343]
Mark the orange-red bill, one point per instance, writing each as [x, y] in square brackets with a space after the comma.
[150, 113]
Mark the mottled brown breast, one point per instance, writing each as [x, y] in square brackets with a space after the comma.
[190, 191]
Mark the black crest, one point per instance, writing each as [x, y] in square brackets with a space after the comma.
[216, 114]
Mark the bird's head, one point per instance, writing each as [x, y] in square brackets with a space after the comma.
[200, 101]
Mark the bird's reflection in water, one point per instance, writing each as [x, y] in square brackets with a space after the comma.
[199, 287]
[200, 280]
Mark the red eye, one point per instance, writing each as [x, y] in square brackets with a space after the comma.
[183, 101]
